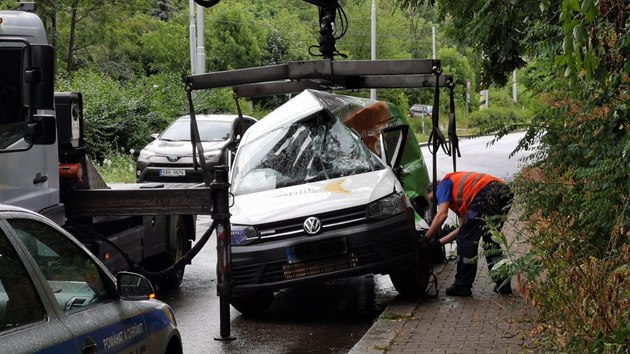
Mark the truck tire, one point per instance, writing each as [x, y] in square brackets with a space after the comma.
[252, 305]
[173, 254]
[413, 280]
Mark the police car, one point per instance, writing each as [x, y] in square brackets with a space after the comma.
[56, 297]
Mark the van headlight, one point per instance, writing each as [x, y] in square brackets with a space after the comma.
[243, 234]
[391, 205]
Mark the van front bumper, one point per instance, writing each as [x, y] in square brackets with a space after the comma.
[372, 246]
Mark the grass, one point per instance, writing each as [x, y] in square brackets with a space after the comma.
[118, 167]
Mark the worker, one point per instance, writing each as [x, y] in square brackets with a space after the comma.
[473, 197]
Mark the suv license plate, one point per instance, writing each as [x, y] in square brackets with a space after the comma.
[172, 172]
[316, 250]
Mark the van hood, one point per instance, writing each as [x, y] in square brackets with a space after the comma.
[313, 198]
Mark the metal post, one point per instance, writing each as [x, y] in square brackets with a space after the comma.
[433, 40]
[373, 36]
[192, 36]
[467, 100]
[221, 216]
[514, 86]
[200, 61]
[435, 119]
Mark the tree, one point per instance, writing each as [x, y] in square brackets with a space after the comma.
[234, 39]
[577, 200]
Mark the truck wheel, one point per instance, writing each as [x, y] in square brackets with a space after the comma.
[174, 253]
[413, 280]
[252, 305]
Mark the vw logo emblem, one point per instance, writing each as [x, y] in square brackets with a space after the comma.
[312, 225]
[173, 158]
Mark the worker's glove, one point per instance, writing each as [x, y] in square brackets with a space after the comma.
[425, 242]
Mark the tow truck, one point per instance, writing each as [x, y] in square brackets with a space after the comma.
[45, 167]
[328, 75]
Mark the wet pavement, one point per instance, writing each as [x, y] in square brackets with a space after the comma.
[486, 322]
[321, 318]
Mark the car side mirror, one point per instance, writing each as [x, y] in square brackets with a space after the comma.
[133, 286]
[154, 136]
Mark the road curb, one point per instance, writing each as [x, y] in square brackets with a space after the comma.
[384, 330]
[388, 325]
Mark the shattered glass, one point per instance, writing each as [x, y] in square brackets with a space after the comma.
[315, 148]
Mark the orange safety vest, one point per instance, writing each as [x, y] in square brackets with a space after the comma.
[466, 185]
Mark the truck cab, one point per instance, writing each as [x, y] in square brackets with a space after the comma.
[29, 176]
[45, 167]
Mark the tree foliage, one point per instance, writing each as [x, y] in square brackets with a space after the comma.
[577, 199]
[127, 47]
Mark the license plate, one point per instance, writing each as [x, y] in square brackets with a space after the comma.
[172, 172]
[316, 250]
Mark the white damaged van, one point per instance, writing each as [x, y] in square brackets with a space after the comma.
[313, 201]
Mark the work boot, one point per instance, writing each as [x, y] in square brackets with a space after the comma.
[503, 288]
[459, 290]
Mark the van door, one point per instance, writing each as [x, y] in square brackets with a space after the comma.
[392, 145]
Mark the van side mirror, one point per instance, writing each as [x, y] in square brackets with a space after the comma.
[38, 62]
[392, 141]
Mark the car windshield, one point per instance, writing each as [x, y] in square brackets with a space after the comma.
[208, 130]
[316, 148]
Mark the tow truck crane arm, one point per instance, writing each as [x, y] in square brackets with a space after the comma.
[327, 29]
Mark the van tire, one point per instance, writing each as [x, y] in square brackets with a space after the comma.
[413, 280]
[252, 305]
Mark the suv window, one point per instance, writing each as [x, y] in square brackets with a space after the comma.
[19, 302]
[208, 131]
[313, 149]
[74, 278]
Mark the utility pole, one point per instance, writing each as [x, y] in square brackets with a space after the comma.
[200, 60]
[433, 40]
[192, 36]
[514, 85]
[373, 91]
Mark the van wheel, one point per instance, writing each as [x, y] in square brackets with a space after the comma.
[252, 305]
[413, 280]
[173, 254]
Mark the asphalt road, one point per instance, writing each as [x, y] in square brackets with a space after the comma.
[477, 154]
[329, 318]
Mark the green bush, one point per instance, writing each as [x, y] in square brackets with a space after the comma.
[575, 204]
[124, 114]
[117, 166]
[489, 119]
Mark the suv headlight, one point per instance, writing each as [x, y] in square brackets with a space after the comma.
[212, 156]
[145, 154]
[243, 234]
[391, 205]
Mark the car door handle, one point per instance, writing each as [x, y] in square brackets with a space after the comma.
[90, 346]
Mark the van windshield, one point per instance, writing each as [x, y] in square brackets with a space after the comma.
[316, 148]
